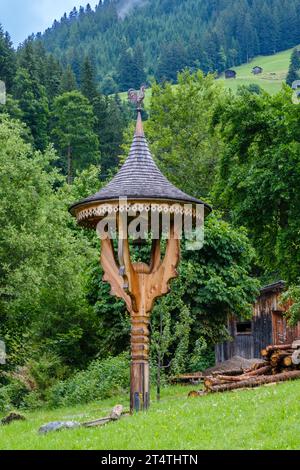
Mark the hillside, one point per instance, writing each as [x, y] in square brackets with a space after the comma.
[130, 42]
[258, 419]
[275, 68]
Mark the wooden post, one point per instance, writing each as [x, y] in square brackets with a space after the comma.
[139, 284]
[140, 380]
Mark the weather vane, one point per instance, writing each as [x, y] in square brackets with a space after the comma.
[137, 97]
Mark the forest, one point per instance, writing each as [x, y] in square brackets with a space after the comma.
[159, 38]
[64, 132]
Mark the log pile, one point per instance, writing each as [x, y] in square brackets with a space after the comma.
[281, 363]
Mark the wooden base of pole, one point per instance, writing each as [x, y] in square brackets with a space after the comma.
[140, 382]
[140, 386]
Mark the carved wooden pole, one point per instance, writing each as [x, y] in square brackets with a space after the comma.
[144, 187]
[139, 376]
[139, 285]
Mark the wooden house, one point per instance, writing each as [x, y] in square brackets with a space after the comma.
[267, 326]
[230, 74]
[257, 70]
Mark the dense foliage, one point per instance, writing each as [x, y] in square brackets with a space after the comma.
[294, 68]
[102, 379]
[43, 262]
[210, 35]
[180, 134]
[259, 176]
[84, 125]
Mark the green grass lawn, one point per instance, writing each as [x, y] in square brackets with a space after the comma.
[275, 71]
[264, 418]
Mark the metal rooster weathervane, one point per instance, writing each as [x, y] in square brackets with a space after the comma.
[137, 97]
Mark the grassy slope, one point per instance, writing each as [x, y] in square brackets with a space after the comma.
[264, 418]
[277, 64]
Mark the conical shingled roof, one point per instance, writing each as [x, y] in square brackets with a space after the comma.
[140, 179]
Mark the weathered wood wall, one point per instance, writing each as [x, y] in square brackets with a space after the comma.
[269, 326]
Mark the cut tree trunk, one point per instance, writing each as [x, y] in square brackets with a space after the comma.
[232, 372]
[264, 353]
[254, 373]
[278, 347]
[256, 382]
[287, 361]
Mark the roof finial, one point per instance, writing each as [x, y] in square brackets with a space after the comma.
[137, 98]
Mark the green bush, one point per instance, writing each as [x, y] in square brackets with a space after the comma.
[12, 395]
[46, 371]
[102, 379]
[5, 404]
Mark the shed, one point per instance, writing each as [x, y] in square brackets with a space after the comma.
[230, 73]
[257, 70]
[296, 85]
[267, 326]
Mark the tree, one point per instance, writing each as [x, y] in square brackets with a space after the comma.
[258, 181]
[7, 60]
[53, 77]
[172, 60]
[73, 124]
[88, 81]
[68, 81]
[44, 261]
[139, 65]
[179, 131]
[294, 68]
[33, 102]
[112, 117]
[108, 86]
[126, 78]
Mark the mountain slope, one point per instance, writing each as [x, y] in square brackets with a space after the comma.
[128, 40]
[275, 68]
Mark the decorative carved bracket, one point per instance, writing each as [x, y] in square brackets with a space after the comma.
[139, 284]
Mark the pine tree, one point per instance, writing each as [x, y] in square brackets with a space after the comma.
[73, 123]
[33, 101]
[112, 119]
[139, 65]
[68, 81]
[53, 77]
[7, 60]
[173, 59]
[294, 69]
[126, 68]
[88, 80]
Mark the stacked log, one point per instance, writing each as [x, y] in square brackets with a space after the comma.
[281, 363]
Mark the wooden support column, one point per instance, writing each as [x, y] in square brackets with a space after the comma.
[139, 284]
[140, 380]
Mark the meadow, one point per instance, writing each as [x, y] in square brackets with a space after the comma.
[267, 418]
